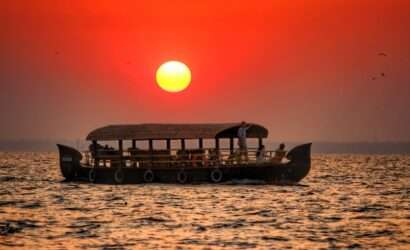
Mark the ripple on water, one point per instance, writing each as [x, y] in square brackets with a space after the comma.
[15, 226]
[150, 220]
[31, 205]
[83, 229]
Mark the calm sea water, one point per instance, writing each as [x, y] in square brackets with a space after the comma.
[346, 202]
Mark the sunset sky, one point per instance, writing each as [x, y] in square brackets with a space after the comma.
[307, 70]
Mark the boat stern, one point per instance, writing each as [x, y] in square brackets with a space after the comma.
[300, 161]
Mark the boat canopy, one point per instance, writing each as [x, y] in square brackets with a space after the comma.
[173, 131]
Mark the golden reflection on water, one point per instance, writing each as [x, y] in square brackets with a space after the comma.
[347, 201]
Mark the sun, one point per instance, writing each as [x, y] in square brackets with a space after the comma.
[173, 76]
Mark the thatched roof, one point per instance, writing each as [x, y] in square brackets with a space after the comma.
[173, 131]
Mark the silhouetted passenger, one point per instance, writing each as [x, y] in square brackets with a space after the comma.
[235, 156]
[280, 153]
[95, 148]
[213, 156]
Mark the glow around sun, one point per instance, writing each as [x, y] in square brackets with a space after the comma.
[173, 76]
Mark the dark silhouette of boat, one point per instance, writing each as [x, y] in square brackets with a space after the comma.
[182, 164]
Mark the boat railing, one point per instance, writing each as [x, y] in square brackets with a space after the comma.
[176, 158]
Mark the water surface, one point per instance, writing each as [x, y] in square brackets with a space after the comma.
[346, 202]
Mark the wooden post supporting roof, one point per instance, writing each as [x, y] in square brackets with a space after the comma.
[95, 153]
[151, 149]
[217, 153]
[150, 145]
[183, 144]
[134, 146]
[120, 150]
[120, 146]
[260, 142]
[201, 143]
[168, 144]
[231, 145]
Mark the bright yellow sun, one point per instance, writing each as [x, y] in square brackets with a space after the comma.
[173, 76]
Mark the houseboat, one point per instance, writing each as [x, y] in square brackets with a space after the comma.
[185, 156]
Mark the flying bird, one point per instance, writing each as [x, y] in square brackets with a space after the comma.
[382, 74]
[382, 54]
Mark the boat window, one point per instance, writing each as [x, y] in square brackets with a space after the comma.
[209, 143]
[223, 143]
[175, 144]
[159, 144]
[192, 144]
[253, 143]
[110, 144]
[126, 144]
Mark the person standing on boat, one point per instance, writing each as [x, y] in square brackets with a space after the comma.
[242, 130]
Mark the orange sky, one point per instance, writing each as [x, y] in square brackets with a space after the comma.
[302, 68]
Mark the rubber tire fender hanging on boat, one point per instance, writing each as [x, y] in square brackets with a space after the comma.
[148, 176]
[182, 177]
[216, 175]
[91, 175]
[119, 176]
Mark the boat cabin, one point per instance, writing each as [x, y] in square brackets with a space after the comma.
[171, 156]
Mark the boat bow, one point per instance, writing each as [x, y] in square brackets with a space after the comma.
[70, 159]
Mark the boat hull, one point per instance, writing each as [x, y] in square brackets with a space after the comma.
[292, 172]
